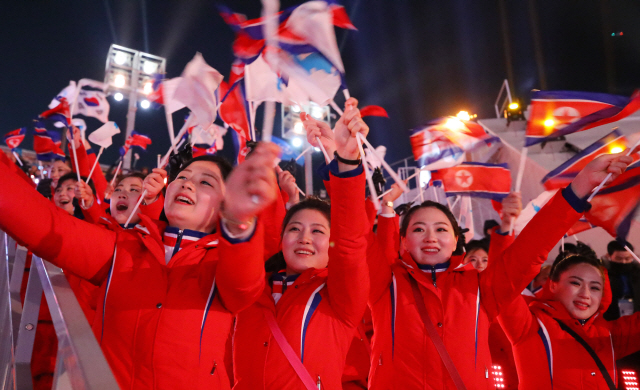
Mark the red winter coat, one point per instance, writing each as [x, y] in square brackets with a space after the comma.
[161, 326]
[318, 314]
[547, 357]
[460, 303]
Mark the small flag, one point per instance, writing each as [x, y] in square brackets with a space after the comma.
[137, 142]
[287, 151]
[103, 135]
[475, 179]
[557, 113]
[59, 113]
[615, 206]
[197, 90]
[563, 175]
[93, 104]
[69, 93]
[203, 150]
[235, 108]
[373, 111]
[15, 137]
[46, 143]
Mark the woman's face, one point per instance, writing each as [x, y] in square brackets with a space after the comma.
[124, 199]
[63, 196]
[305, 242]
[193, 199]
[479, 258]
[57, 170]
[579, 289]
[430, 238]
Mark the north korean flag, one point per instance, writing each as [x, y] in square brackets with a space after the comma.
[557, 113]
[475, 179]
[15, 137]
[59, 113]
[563, 175]
[615, 206]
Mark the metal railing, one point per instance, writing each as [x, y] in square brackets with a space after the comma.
[80, 363]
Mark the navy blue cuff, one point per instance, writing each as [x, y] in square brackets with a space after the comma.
[231, 240]
[578, 204]
[323, 171]
[90, 151]
[333, 167]
[498, 231]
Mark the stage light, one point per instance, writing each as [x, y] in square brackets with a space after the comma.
[119, 81]
[120, 58]
[616, 149]
[298, 128]
[463, 115]
[148, 88]
[454, 124]
[549, 123]
[118, 96]
[296, 142]
[145, 104]
[514, 106]
[317, 112]
[295, 108]
[149, 67]
[316, 149]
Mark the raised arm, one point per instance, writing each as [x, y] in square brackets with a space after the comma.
[506, 278]
[72, 244]
[348, 279]
[625, 333]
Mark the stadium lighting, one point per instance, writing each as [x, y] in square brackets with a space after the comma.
[454, 124]
[118, 96]
[296, 142]
[120, 58]
[149, 67]
[295, 108]
[119, 81]
[316, 149]
[549, 123]
[148, 88]
[514, 106]
[317, 112]
[298, 128]
[145, 104]
[463, 115]
[616, 149]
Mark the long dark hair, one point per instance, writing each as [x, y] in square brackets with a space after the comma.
[276, 262]
[454, 224]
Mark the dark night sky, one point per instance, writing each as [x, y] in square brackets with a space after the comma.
[418, 59]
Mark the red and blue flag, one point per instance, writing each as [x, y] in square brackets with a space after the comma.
[14, 138]
[59, 113]
[46, 143]
[480, 180]
[563, 175]
[557, 113]
[138, 142]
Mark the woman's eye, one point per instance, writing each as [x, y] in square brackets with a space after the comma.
[181, 177]
[318, 231]
[418, 230]
[294, 229]
[117, 190]
[442, 229]
[595, 288]
[134, 190]
[575, 283]
[206, 183]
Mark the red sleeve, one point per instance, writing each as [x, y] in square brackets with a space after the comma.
[371, 211]
[93, 213]
[154, 209]
[97, 176]
[65, 241]
[240, 276]
[380, 256]
[348, 279]
[272, 218]
[14, 168]
[499, 244]
[505, 279]
[83, 161]
[625, 332]
[517, 321]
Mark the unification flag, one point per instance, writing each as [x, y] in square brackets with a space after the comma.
[532, 208]
[557, 113]
[563, 175]
[93, 104]
[163, 91]
[103, 136]
[69, 93]
[615, 206]
[15, 137]
[443, 142]
[287, 151]
[475, 179]
[198, 90]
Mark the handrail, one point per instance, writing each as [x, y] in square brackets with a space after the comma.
[80, 363]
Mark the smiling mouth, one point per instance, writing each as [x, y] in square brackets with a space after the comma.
[303, 252]
[581, 305]
[122, 207]
[430, 251]
[184, 200]
[65, 202]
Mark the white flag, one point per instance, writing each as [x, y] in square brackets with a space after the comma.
[103, 135]
[197, 90]
[69, 92]
[466, 217]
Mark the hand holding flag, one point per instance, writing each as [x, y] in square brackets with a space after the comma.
[602, 170]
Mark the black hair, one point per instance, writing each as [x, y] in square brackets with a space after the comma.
[561, 264]
[489, 224]
[222, 163]
[276, 262]
[454, 223]
[617, 246]
[74, 176]
[474, 245]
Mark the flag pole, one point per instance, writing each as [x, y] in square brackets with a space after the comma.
[115, 175]
[523, 161]
[562, 243]
[632, 254]
[304, 152]
[299, 190]
[324, 151]
[95, 163]
[17, 157]
[372, 187]
[421, 194]
[386, 166]
[599, 187]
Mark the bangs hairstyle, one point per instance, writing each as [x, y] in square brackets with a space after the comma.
[222, 163]
[475, 245]
[73, 176]
[404, 226]
[310, 203]
[563, 264]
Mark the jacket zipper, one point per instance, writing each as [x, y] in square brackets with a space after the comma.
[433, 276]
[178, 241]
[319, 383]
[486, 372]
[213, 369]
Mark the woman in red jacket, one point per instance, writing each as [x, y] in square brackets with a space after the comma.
[167, 291]
[458, 301]
[318, 293]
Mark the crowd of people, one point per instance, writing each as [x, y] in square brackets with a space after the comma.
[225, 278]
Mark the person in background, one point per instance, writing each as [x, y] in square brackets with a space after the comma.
[624, 278]
[477, 254]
